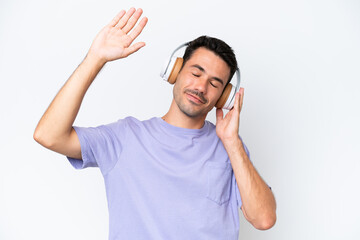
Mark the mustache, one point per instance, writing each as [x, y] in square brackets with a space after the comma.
[197, 93]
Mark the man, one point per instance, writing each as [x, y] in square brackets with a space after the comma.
[175, 177]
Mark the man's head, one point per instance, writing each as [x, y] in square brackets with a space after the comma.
[208, 66]
[217, 46]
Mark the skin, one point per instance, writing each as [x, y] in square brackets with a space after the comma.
[194, 97]
[197, 89]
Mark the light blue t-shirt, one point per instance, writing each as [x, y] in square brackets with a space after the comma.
[162, 181]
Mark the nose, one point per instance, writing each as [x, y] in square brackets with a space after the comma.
[201, 84]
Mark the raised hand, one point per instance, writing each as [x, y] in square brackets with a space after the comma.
[227, 128]
[115, 39]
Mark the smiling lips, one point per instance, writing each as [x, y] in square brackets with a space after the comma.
[194, 97]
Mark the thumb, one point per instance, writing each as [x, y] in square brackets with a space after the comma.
[133, 48]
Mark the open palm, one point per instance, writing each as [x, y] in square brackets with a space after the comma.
[115, 39]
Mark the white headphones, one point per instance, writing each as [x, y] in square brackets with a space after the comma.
[172, 68]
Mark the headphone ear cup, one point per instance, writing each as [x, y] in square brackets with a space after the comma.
[175, 70]
[225, 96]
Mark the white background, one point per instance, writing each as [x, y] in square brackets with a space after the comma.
[300, 119]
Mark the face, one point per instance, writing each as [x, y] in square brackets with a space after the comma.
[200, 83]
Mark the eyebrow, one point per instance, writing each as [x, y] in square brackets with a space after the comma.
[203, 70]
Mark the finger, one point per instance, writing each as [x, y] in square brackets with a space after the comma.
[134, 33]
[242, 97]
[131, 23]
[237, 102]
[133, 48]
[219, 114]
[116, 18]
[125, 18]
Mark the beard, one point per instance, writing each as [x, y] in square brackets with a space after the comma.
[190, 109]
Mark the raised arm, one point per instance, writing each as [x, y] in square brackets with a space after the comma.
[258, 201]
[114, 41]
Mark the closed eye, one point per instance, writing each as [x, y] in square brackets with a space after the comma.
[213, 85]
[196, 75]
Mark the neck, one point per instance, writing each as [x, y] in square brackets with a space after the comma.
[177, 118]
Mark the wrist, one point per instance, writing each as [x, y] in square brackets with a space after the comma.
[235, 147]
[231, 142]
[95, 59]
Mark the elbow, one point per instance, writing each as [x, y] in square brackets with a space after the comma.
[36, 136]
[266, 223]
[39, 138]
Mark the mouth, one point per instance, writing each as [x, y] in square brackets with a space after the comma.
[194, 98]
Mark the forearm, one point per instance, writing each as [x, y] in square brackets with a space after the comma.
[58, 119]
[257, 199]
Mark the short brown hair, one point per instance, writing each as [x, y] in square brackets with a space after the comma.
[219, 47]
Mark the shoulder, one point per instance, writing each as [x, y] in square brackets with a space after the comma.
[210, 125]
[134, 120]
[127, 121]
[134, 123]
[120, 125]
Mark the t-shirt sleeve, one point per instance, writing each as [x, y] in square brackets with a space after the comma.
[101, 146]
